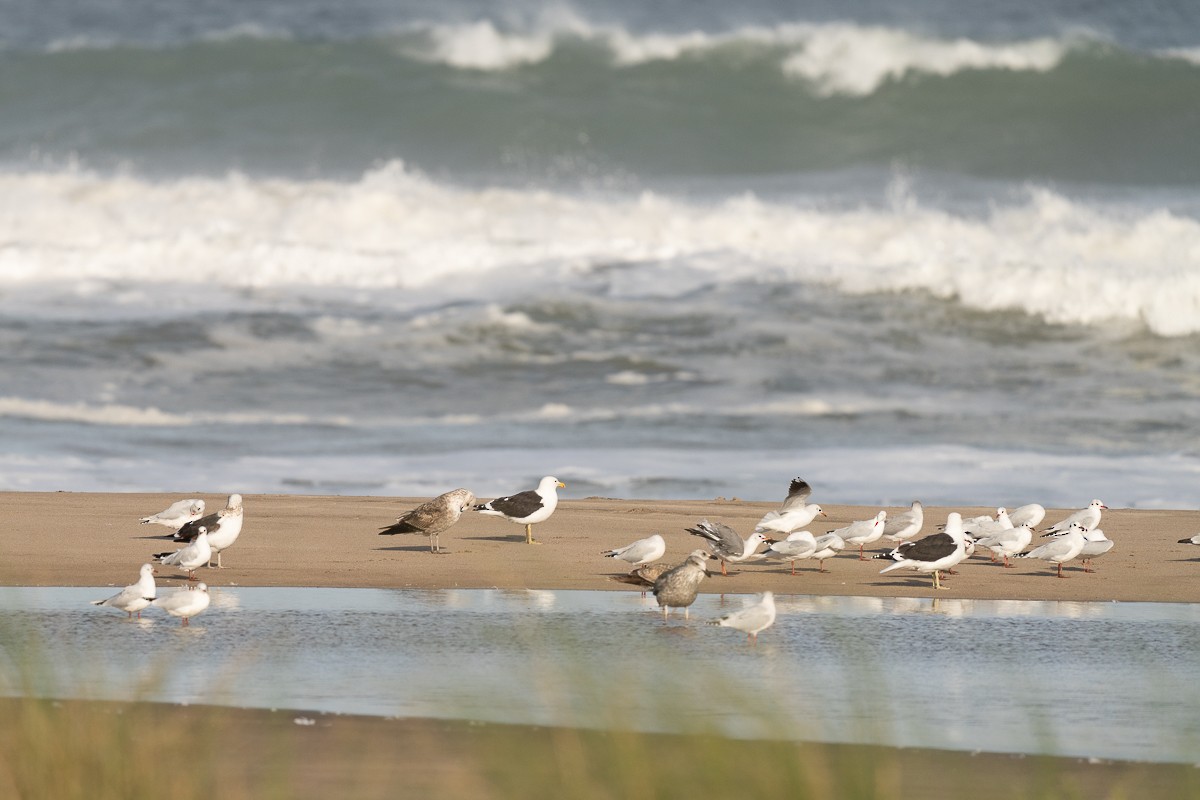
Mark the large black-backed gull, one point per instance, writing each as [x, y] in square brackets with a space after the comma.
[223, 527]
[527, 508]
[932, 554]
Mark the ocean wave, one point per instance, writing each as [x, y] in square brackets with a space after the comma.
[1067, 261]
[835, 58]
[118, 415]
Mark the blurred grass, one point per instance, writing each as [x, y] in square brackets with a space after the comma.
[92, 749]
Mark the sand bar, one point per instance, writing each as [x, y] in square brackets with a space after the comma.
[84, 539]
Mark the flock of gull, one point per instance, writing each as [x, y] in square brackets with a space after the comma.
[783, 532]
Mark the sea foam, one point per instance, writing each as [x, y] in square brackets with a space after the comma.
[78, 234]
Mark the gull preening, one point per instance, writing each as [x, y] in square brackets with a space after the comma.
[223, 528]
[134, 597]
[677, 587]
[1062, 548]
[177, 514]
[434, 517]
[793, 514]
[1007, 543]
[527, 508]
[641, 552]
[863, 532]
[186, 602]
[726, 544]
[905, 525]
[190, 558]
[796, 547]
[752, 619]
[934, 553]
[1030, 514]
[1087, 518]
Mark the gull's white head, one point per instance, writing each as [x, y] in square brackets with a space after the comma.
[234, 502]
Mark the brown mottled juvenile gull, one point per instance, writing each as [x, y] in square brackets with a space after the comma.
[134, 597]
[527, 508]
[177, 514]
[677, 587]
[223, 528]
[433, 517]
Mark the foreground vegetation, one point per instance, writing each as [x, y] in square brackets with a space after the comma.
[77, 749]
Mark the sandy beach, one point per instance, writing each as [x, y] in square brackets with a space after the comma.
[300, 540]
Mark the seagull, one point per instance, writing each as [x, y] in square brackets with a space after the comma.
[725, 543]
[185, 603]
[1007, 542]
[863, 532]
[527, 508]
[1191, 540]
[794, 514]
[641, 552]
[432, 517]
[934, 553]
[223, 528]
[1088, 518]
[677, 587]
[134, 597]
[827, 546]
[755, 617]
[980, 527]
[192, 557]
[1062, 548]
[797, 546]
[1031, 514]
[177, 514]
[905, 525]
[1095, 544]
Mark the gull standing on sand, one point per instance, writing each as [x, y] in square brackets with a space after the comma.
[794, 514]
[677, 587]
[186, 602]
[863, 532]
[1087, 518]
[527, 508]
[641, 552]
[433, 517]
[827, 546]
[1007, 542]
[726, 544]
[190, 558]
[755, 617]
[1095, 544]
[905, 525]
[1062, 548]
[177, 514]
[934, 553]
[134, 597]
[796, 547]
[223, 528]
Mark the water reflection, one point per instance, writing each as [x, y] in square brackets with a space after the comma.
[1110, 680]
